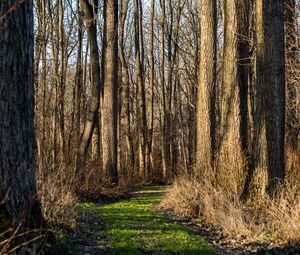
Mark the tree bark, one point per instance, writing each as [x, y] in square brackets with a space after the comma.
[206, 117]
[18, 195]
[109, 103]
[165, 148]
[141, 97]
[93, 108]
[151, 85]
[234, 110]
[126, 83]
[269, 115]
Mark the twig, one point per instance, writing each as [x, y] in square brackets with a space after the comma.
[11, 9]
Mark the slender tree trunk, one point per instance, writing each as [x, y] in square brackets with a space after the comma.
[206, 116]
[151, 85]
[93, 108]
[169, 89]
[165, 151]
[141, 99]
[126, 83]
[143, 106]
[62, 79]
[78, 76]
[18, 194]
[109, 103]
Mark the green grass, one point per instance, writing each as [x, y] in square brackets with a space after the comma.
[132, 227]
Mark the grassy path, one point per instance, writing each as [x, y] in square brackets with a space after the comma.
[132, 227]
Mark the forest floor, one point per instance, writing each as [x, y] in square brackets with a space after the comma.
[133, 227]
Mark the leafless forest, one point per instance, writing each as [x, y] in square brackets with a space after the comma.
[101, 96]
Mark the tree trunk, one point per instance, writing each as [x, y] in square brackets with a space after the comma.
[141, 99]
[164, 144]
[126, 83]
[93, 108]
[234, 111]
[206, 116]
[269, 115]
[151, 85]
[78, 76]
[18, 197]
[109, 103]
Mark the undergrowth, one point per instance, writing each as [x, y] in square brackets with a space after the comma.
[265, 220]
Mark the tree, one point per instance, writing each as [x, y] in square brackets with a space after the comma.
[90, 13]
[234, 110]
[164, 146]
[18, 193]
[206, 117]
[126, 83]
[269, 116]
[109, 103]
[141, 97]
[151, 85]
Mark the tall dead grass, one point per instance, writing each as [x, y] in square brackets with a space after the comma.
[220, 206]
[56, 192]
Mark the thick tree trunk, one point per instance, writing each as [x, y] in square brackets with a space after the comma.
[18, 197]
[109, 103]
[206, 116]
[234, 111]
[269, 115]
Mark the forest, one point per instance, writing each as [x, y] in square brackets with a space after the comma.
[149, 127]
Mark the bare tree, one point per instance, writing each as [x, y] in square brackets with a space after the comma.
[90, 13]
[141, 98]
[151, 85]
[109, 103]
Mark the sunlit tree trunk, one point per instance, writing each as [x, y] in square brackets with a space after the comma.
[234, 111]
[206, 116]
[109, 103]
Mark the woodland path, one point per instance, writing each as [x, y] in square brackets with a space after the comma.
[133, 227]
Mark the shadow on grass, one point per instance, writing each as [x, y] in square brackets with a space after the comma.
[130, 251]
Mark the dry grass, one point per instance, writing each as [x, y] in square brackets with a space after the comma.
[58, 200]
[220, 206]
